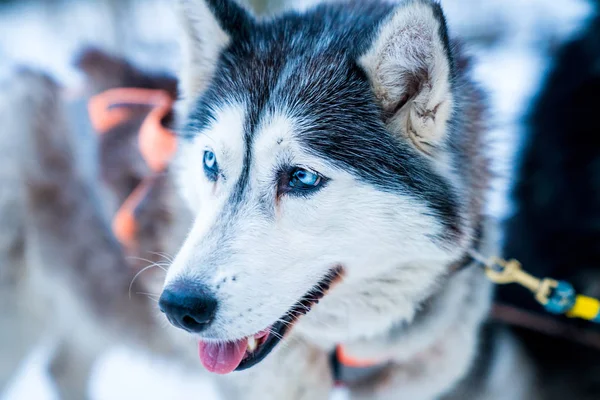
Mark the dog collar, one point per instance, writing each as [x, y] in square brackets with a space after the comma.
[349, 369]
[157, 144]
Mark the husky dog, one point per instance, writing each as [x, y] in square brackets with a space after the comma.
[331, 156]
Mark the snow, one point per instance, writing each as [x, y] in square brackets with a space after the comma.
[510, 68]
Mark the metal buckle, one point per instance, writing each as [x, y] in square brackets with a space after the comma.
[503, 272]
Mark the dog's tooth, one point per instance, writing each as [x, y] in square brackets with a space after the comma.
[252, 344]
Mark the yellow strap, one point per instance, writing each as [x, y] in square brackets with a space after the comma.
[585, 307]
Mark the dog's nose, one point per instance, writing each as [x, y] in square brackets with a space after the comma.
[188, 307]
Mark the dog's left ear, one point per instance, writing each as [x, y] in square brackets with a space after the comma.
[410, 68]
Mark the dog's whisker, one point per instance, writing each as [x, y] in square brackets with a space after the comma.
[160, 265]
[138, 274]
[276, 334]
[149, 294]
[155, 299]
[166, 256]
[139, 259]
[286, 323]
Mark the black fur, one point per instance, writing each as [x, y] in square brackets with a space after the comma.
[556, 229]
[232, 18]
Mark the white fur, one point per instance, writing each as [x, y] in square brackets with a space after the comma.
[409, 45]
[203, 41]
[225, 139]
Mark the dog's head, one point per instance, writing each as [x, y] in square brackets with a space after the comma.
[319, 148]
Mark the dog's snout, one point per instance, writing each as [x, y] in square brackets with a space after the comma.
[188, 307]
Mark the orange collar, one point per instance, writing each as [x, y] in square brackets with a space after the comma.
[157, 144]
[348, 370]
[347, 360]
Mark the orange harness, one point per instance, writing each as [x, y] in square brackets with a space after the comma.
[157, 143]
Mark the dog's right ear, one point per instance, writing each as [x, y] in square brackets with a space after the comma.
[209, 26]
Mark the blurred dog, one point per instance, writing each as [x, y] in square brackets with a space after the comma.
[62, 271]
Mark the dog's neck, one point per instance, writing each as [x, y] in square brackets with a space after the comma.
[417, 317]
[463, 300]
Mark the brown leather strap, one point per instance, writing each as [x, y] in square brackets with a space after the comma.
[548, 325]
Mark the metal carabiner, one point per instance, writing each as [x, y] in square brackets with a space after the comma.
[503, 272]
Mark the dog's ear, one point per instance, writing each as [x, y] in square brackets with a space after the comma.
[209, 26]
[410, 66]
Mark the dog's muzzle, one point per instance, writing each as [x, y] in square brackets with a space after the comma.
[193, 309]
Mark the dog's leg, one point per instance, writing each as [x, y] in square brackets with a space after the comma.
[297, 371]
[70, 369]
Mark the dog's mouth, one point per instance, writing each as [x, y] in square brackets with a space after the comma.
[241, 354]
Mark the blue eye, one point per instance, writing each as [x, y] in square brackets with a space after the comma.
[302, 177]
[209, 159]
[210, 165]
[296, 181]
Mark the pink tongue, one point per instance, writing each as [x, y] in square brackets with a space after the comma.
[222, 358]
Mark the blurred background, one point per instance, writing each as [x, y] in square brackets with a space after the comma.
[515, 44]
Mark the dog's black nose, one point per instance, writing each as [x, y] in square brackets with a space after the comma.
[188, 307]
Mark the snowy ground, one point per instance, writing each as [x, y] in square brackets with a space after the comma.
[510, 69]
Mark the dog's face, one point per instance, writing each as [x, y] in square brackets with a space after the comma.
[314, 155]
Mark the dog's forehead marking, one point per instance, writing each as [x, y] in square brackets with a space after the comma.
[271, 151]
